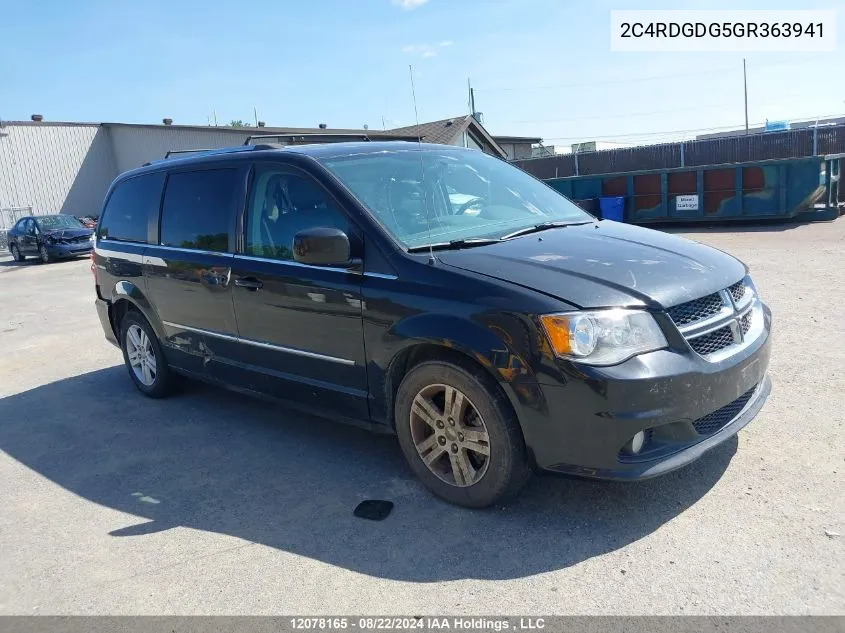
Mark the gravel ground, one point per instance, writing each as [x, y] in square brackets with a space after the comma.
[211, 502]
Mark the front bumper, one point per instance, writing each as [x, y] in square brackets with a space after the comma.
[587, 415]
[59, 250]
[646, 469]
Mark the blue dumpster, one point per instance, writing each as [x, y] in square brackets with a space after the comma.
[613, 208]
[795, 188]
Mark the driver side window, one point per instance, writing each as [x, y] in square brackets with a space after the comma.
[281, 204]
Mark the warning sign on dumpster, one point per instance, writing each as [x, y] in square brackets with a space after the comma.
[686, 203]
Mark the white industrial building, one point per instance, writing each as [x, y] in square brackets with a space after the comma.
[49, 167]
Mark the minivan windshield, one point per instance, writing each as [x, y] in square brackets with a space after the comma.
[53, 222]
[431, 196]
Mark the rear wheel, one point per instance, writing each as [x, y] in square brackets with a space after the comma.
[16, 253]
[144, 358]
[459, 435]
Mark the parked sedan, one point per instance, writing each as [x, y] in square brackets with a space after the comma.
[49, 237]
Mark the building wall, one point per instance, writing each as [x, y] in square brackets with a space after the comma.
[67, 168]
[517, 150]
[55, 168]
[135, 145]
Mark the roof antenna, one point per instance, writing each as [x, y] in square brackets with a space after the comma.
[431, 259]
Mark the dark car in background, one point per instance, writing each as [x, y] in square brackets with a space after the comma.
[437, 293]
[49, 237]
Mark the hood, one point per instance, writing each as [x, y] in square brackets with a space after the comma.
[69, 234]
[605, 264]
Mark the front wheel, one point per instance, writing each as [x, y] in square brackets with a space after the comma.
[16, 252]
[144, 358]
[460, 435]
[45, 254]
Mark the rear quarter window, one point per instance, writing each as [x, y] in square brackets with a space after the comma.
[132, 208]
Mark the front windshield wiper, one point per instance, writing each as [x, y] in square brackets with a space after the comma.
[454, 245]
[543, 226]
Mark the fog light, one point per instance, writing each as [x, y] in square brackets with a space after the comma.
[636, 444]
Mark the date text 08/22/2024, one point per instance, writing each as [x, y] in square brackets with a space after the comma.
[417, 623]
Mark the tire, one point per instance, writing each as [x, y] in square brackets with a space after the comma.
[494, 477]
[44, 254]
[135, 334]
[16, 252]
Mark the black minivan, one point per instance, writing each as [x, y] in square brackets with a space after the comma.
[437, 293]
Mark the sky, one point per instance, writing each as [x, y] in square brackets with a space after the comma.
[538, 67]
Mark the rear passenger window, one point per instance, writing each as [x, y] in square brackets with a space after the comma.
[130, 207]
[198, 209]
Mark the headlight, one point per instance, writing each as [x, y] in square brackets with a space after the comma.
[602, 337]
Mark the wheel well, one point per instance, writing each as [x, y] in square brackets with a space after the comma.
[412, 356]
[117, 311]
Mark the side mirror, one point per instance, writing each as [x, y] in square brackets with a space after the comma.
[321, 246]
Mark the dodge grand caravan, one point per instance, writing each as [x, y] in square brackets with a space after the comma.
[436, 293]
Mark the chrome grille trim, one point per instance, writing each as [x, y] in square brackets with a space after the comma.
[719, 335]
[692, 312]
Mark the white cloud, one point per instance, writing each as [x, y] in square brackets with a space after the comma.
[426, 50]
[408, 5]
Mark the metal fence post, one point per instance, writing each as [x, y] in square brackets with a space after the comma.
[576, 164]
[682, 153]
[816, 138]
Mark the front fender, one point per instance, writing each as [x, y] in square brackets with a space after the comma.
[126, 290]
[505, 345]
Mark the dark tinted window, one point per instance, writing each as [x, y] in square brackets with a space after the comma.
[281, 205]
[198, 209]
[130, 207]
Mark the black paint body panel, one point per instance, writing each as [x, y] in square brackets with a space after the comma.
[328, 339]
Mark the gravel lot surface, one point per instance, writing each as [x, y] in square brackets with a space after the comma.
[211, 502]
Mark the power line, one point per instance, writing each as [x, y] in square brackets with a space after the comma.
[623, 115]
[644, 135]
[608, 82]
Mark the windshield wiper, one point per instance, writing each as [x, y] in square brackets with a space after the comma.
[454, 245]
[543, 226]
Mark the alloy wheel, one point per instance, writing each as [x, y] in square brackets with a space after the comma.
[450, 435]
[139, 351]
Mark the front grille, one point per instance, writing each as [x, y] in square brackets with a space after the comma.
[737, 291]
[717, 420]
[81, 238]
[745, 323]
[696, 310]
[713, 342]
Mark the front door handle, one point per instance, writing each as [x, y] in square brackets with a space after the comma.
[250, 283]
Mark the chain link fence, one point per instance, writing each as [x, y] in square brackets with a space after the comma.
[8, 218]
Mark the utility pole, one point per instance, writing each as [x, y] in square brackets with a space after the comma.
[469, 95]
[255, 112]
[745, 90]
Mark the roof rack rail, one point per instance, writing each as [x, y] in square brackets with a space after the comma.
[219, 150]
[185, 151]
[305, 138]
